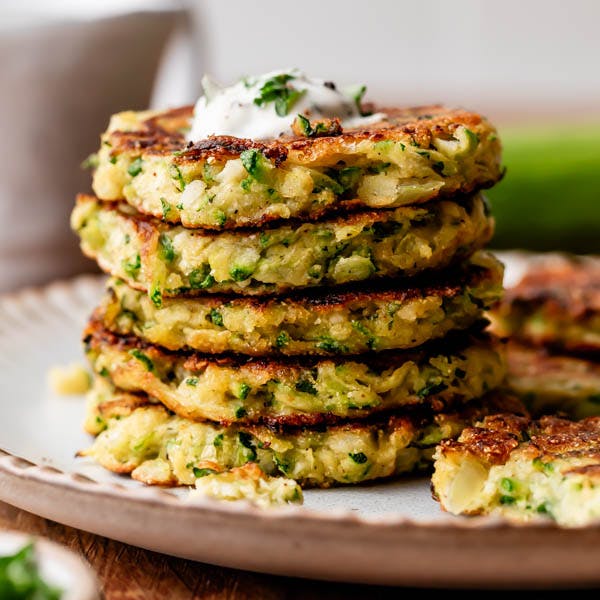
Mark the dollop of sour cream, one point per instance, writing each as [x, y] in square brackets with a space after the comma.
[266, 106]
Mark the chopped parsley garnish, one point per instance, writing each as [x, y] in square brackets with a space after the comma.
[431, 389]
[143, 358]
[135, 168]
[249, 160]
[201, 278]
[220, 218]
[330, 345]
[360, 328]
[263, 238]
[357, 95]
[278, 90]
[156, 296]
[202, 472]
[255, 164]
[166, 250]
[215, 317]
[360, 458]
[246, 441]
[507, 500]
[238, 273]
[307, 387]
[176, 174]
[166, 208]
[240, 413]
[507, 484]
[543, 509]
[381, 167]
[132, 267]
[348, 177]
[540, 465]
[218, 441]
[321, 128]
[282, 340]
[281, 464]
[20, 578]
[438, 167]
[472, 137]
[207, 173]
[243, 392]
[192, 381]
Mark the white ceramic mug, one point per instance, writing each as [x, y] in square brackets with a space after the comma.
[59, 83]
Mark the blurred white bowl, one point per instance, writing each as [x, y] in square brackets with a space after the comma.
[58, 566]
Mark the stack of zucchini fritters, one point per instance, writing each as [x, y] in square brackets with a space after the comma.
[313, 303]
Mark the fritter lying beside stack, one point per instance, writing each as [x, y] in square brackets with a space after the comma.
[311, 301]
[523, 470]
[552, 317]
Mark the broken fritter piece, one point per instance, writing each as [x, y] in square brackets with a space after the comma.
[523, 470]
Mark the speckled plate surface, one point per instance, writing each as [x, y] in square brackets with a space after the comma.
[390, 533]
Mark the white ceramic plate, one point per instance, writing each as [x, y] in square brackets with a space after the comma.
[390, 533]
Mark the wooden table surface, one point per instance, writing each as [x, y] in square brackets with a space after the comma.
[129, 573]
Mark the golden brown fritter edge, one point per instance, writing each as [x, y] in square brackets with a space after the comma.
[549, 438]
[164, 133]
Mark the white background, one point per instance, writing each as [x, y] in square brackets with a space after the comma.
[523, 59]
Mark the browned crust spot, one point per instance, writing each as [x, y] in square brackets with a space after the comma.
[549, 438]
[561, 284]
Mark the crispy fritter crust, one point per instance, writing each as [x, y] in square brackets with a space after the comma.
[565, 285]
[164, 133]
[549, 438]
[293, 392]
[555, 304]
[352, 320]
[157, 447]
[522, 469]
[549, 382]
[171, 261]
[424, 169]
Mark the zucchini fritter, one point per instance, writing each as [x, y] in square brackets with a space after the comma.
[556, 304]
[414, 155]
[169, 261]
[549, 383]
[523, 470]
[157, 447]
[301, 392]
[396, 315]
